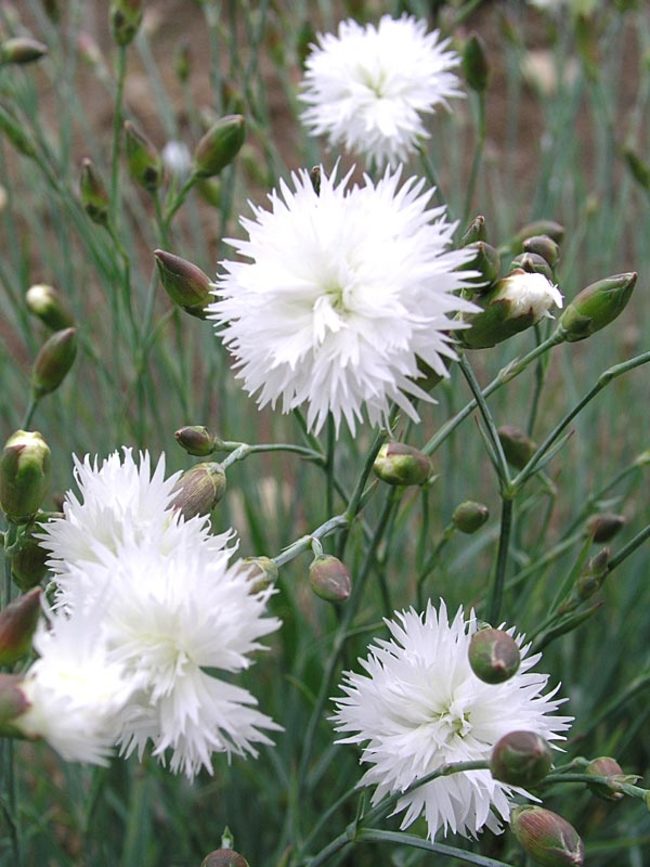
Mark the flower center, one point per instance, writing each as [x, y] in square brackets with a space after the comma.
[456, 720]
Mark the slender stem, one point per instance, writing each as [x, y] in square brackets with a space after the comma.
[628, 549]
[429, 171]
[117, 133]
[355, 502]
[478, 155]
[329, 465]
[305, 542]
[377, 835]
[29, 414]
[496, 595]
[181, 195]
[540, 369]
[243, 450]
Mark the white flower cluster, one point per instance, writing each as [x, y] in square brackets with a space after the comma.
[147, 606]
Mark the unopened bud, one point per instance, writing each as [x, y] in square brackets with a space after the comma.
[475, 64]
[94, 196]
[196, 440]
[125, 17]
[262, 572]
[219, 146]
[605, 526]
[186, 284]
[606, 767]
[24, 475]
[545, 247]
[13, 703]
[224, 858]
[533, 263]
[469, 516]
[399, 464]
[53, 362]
[21, 50]
[199, 490]
[17, 624]
[493, 655]
[29, 563]
[182, 61]
[554, 230]
[45, 302]
[329, 578]
[521, 759]
[474, 232]
[597, 305]
[517, 447]
[592, 577]
[143, 159]
[486, 261]
[548, 838]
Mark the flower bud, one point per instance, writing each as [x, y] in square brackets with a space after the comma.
[329, 578]
[199, 490]
[53, 362]
[597, 305]
[554, 230]
[17, 624]
[182, 61]
[475, 64]
[486, 261]
[24, 475]
[533, 263]
[592, 577]
[262, 572]
[125, 17]
[185, 283]
[196, 440]
[21, 50]
[493, 655]
[606, 767]
[517, 447]
[46, 303]
[605, 526]
[469, 516]
[143, 159]
[29, 563]
[219, 146]
[474, 232]
[399, 464]
[94, 196]
[13, 703]
[543, 246]
[521, 759]
[224, 858]
[548, 838]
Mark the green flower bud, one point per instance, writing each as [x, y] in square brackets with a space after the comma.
[17, 624]
[521, 759]
[493, 655]
[185, 283]
[21, 50]
[548, 838]
[13, 703]
[517, 447]
[329, 578]
[607, 767]
[196, 440]
[53, 362]
[592, 577]
[469, 516]
[224, 858]
[486, 261]
[46, 303]
[143, 159]
[199, 490]
[475, 64]
[14, 131]
[399, 464]
[545, 247]
[605, 526]
[29, 563]
[533, 263]
[554, 230]
[182, 61]
[262, 572]
[24, 475]
[597, 305]
[94, 196]
[125, 17]
[219, 146]
[474, 232]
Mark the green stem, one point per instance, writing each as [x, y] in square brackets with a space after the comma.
[502, 464]
[305, 542]
[377, 835]
[478, 156]
[117, 134]
[496, 595]
[429, 171]
[628, 549]
[181, 195]
[29, 414]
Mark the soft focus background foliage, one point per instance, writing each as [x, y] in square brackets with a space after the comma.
[567, 103]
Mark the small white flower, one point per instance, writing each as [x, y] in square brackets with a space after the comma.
[368, 87]
[342, 294]
[420, 706]
[528, 293]
[177, 159]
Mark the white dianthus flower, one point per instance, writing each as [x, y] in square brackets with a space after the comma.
[368, 87]
[419, 706]
[528, 293]
[343, 292]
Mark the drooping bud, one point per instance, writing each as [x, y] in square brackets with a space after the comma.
[13, 703]
[199, 490]
[144, 161]
[474, 232]
[475, 63]
[24, 475]
[45, 302]
[196, 440]
[533, 263]
[592, 577]
[554, 230]
[486, 261]
[17, 624]
[399, 464]
[521, 759]
[21, 50]
[548, 838]
[29, 563]
[262, 572]
[94, 196]
[125, 17]
[224, 858]
[605, 526]
[329, 578]
[469, 516]
[493, 655]
[545, 247]
[219, 146]
[182, 61]
[517, 447]
[186, 284]
[53, 362]
[607, 767]
[597, 305]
